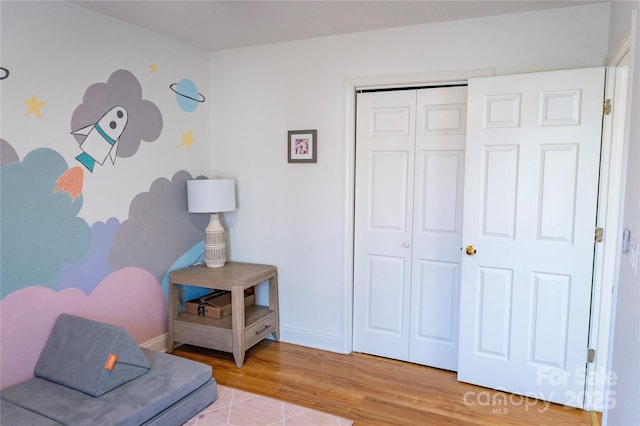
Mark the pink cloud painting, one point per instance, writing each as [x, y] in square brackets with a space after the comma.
[27, 316]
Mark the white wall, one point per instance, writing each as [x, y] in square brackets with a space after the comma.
[619, 22]
[294, 215]
[55, 50]
[58, 52]
[624, 383]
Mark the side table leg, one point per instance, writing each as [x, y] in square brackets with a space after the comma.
[237, 324]
[273, 303]
[175, 297]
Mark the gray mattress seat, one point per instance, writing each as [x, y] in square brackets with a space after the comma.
[172, 391]
[11, 414]
[187, 407]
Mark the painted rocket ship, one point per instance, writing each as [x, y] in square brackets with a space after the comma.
[102, 138]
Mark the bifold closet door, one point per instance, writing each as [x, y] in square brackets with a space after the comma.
[385, 149]
[409, 171]
[437, 226]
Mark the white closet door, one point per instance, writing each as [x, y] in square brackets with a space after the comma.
[437, 226]
[532, 162]
[385, 135]
[408, 224]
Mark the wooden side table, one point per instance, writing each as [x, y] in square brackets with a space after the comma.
[235, 333]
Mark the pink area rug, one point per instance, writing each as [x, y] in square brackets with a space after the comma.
[237, 408]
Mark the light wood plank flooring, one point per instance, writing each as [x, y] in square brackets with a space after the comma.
[376, 391]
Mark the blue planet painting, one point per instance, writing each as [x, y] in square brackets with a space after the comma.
[187, 94]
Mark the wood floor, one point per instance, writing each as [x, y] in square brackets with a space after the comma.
[376, 391]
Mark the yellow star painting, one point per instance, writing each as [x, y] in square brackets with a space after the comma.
[187, 139]
[34, 106]
[153, 68]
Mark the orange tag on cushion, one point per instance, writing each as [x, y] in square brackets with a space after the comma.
[111, 361]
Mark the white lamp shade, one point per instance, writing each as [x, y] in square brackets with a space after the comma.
[211, 195]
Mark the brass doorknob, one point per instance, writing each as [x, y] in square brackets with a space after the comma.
[470, 250]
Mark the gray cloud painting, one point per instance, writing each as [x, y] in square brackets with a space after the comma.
[159, 229]
[7, 153]
[122, 89]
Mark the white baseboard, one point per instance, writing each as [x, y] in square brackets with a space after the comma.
[312, 339]
[295, 336]
[159, 344]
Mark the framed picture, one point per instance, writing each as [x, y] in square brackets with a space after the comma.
[302, 146]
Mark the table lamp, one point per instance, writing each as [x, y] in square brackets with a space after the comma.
[212, 196]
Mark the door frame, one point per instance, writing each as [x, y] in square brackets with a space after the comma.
[599, 330]
[608, 217]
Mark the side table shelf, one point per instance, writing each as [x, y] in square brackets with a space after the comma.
[234, 333]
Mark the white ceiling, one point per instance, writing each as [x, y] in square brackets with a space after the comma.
[215, 24]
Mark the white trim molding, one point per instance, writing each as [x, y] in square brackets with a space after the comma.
[160, 343]
[608, 218]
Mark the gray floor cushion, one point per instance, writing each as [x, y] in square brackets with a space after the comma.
[11, 414]
[89, 356]
[168, 382]
[188, 407]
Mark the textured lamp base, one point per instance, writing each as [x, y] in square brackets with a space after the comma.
[215, 248]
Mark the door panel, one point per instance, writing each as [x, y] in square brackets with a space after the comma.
[437, 226]
[382, 248]
[556, 203]
[498, 209]
[382, 271]
[532, 162]
[550, 318]
[494, 306]
[388, 190]
[438, 297]
[441, 190]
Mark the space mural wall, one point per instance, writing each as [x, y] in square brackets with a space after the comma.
[102, 124]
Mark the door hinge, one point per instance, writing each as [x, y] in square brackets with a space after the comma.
[599, 234]
[591, 355]
[606, 107]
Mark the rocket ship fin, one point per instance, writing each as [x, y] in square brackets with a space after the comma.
[114, 151]
[83, 131]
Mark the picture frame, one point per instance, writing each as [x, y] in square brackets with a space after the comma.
[302, 146]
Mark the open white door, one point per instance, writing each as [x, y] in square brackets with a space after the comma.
[531, 185]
